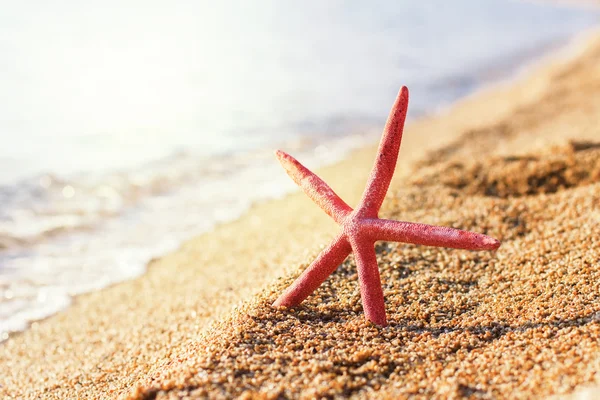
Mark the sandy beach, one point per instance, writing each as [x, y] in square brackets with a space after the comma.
[519, 162]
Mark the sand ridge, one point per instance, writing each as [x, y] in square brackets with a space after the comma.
[520, 323]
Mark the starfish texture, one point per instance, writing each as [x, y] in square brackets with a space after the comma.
[361, 227]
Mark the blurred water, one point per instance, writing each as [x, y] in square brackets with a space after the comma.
[129, 127]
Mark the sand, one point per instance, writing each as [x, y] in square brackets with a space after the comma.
[519, 162]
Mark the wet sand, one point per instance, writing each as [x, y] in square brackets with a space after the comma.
[520, 162]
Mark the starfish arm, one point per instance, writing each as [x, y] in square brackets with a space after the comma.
[314, 187]
[323, 266]
[428, 235]
[371, 292]
[387, 155]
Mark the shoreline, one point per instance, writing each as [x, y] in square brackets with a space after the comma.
[553, 50]
[560, 52]
[309, 229]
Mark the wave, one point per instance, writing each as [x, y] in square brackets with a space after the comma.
[61, 236]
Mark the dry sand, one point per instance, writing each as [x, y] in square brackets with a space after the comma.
[520, 162]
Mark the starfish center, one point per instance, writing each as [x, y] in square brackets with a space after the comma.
[351, 227]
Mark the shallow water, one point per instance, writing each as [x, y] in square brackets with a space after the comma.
[128, 129]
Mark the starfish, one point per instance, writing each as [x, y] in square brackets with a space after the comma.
[361, 227]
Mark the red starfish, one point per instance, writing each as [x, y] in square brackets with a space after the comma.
[361, 228]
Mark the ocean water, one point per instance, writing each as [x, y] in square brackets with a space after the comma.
[127, 128]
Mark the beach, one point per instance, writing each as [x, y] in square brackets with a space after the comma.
[519, 161]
